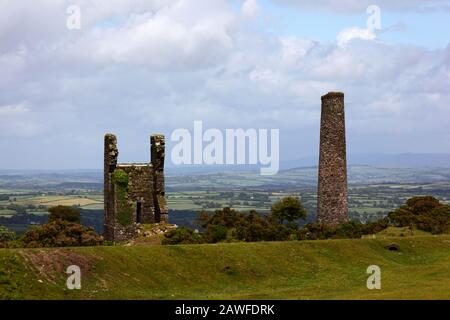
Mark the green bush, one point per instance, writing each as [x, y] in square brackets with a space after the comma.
[424, 213]
[215, 233]
[60, 233]
[181, 235]
[228, 224]
[288, 209]
[70, 214]
[6, 234]
[255, 227]
[315, 231]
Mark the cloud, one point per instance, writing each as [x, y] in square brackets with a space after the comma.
[16, 121]
[354, 33]
[250, 8]
[153, 66]
[352, 6]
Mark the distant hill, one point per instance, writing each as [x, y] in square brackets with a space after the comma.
[401, 160]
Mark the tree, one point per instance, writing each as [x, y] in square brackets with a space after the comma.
[64, 213]
[288, 209]
[425, 213]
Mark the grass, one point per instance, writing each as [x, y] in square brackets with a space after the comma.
[330, 269]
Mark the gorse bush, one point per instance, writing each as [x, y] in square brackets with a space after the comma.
[6, 234]
[424, 213]
[60, 233]
[255, 227]
[182, 235]
[347, 230]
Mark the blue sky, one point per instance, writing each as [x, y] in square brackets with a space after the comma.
[138, 67]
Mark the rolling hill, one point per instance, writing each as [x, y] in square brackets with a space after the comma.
[329, 269]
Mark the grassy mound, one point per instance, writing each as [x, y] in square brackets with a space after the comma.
[329, 269]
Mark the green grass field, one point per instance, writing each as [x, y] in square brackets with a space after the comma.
[330, 269]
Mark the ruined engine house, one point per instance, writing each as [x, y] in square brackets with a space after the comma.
[133, 192]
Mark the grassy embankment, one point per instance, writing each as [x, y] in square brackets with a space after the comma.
[330, 269]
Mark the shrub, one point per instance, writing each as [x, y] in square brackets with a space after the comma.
[257, 228]
[6, 234]
[315, 231]
[181, 235]
[377, 226]
[215, 233]
[350, 230]
[425, 213]
[228, 224]
[65, 213]
[288, 209]
[60, 233]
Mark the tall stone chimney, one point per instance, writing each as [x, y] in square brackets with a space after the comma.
[332, 195]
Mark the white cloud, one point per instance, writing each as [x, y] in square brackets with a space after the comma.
[353, 6]
[354, 33]
[16, 121]
[157, 65]
[250, 8]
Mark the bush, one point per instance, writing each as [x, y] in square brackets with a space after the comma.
[60, 233]
[349, 230]
[6, 234]
[228, 224]
[257, 228]
[346, 230]
[215, 233]
[425, 213]
[377, 226]
[64, 213]
[181, 235]
[288, 209]
[315, 231]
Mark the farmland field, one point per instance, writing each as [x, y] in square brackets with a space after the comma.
[373, 192]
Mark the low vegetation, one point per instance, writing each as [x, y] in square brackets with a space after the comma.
[60, 233]
[6, 236]
[63, 229]
[423, 213]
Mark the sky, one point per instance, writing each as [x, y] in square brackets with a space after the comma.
[136, 67]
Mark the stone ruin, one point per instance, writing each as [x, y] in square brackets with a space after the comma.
[332, 195]
[133, 192]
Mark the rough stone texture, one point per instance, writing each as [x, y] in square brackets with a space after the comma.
[141, 199]
[332, 198]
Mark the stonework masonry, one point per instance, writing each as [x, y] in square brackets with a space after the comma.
[133, 192]
[332, 196]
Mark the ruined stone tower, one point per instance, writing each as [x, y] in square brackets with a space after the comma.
[332, 201]
[133, 192]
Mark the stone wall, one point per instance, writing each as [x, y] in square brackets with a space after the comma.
[332, 197]
[111, 155]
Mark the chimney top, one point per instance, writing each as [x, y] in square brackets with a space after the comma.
[331, 95]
